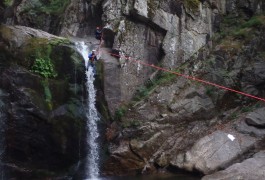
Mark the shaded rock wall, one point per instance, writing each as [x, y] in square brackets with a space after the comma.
[67, 18]
[45, 116]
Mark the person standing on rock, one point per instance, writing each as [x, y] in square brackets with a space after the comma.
[98, 33]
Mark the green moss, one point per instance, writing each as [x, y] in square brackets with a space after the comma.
[8, 2]
[120, 112]
[242, 33]
[162, 78]
[131, 123]
[47, 94]
[240, 28]
[38, 54]
[192, 4]
[152, 6]
[255, 21]
[35, 47]
[52, 7]
[55, 7]
[59, 41]
[210, 90]
[6, 32]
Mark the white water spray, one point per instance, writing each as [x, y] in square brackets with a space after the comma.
[92, 161]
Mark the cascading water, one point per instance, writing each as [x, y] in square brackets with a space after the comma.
[2, 133]
[92, 161]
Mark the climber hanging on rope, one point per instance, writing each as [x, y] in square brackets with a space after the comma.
[92, 59]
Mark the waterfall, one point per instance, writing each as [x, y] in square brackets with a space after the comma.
[92, 160]
[2, 132]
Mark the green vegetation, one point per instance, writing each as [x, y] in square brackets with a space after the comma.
[233, 116]
[47, 93]
[41, 52]
[246, 29]
[57, 41]
[120, 113]
[250, 107]
[210, 90]
[131, 123]
[162, 78]
[239, 28]
[235, 32]
[8, 2]
[192, 4]
[255, 21]
[55, 7]
[44, 67]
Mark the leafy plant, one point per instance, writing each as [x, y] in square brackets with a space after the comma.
[120, 113]
[40, 49]
[210, 90]
[44, 67]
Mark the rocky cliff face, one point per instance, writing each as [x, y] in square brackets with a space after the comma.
[156, 32]
[190, 126]
[160, 32]
[41, 89]
[59, 17]
[173, 123]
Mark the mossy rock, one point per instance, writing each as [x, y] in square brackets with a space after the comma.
[5, 32]
[54, 7]
[33, 48]
[192, 5]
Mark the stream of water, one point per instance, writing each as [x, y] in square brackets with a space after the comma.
[2, 134]
[92, 160]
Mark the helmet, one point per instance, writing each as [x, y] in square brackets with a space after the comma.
[97, 27]
[93, 50]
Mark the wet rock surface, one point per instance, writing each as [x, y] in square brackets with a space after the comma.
[45, 116]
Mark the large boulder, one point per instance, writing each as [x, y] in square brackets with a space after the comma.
[45, 117]
[213, 152]
[252, 168]
[253, 123]
[256, 118]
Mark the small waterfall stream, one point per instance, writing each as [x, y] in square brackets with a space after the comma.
[92, 160]
[2, 133]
